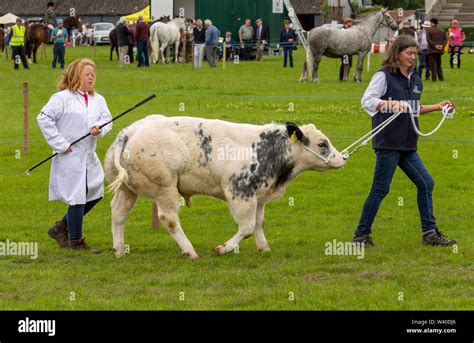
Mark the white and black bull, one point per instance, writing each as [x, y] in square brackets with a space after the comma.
[245, 165]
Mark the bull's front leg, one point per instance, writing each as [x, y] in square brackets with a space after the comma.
[262, 244]
[244, 212]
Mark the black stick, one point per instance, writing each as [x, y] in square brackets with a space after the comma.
[88, 134]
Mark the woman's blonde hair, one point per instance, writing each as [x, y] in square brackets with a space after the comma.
[402, 42]
[72, 75]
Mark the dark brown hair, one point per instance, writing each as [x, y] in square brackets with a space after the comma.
[402, 42]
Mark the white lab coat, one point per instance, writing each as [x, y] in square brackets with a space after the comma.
[62, 120]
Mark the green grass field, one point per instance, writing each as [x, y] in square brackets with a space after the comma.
[399, 274]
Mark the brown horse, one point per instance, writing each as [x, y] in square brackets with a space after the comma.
[114, 41]
[37, 34]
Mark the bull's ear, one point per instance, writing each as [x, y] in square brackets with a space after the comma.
[294, 132]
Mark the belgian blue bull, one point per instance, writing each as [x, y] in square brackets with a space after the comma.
[245, 165]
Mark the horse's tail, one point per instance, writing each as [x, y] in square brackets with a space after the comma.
[154, 42]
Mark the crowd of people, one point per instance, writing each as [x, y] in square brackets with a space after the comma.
[250, 43]
[433, 42]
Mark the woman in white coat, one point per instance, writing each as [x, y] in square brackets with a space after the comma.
[76, 172]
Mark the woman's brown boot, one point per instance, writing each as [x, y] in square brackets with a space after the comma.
[81, 245]
[59, 232]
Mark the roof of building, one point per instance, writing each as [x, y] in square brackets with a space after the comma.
[307, 6]
[81, 7]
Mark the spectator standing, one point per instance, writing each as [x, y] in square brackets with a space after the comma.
[16, 38]
[260, 38]
[287, 39]
[347, 59]
[246, 34]
[456, 36]
[142, 35]
[212, 41]
[59, 36]
[123, 37]
[423, 53]
[199, 33]
[437, 40]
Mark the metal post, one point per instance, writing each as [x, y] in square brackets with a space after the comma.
[26, 134]
[224, 54]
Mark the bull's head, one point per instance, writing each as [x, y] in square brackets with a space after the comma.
[313, 149]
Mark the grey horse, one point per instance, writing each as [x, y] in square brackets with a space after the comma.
[336, 43]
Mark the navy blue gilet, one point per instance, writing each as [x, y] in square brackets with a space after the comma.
[399, 134]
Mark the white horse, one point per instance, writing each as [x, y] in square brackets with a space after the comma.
[333, 43]
[163, 35]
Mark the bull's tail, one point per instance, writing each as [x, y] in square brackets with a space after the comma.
[114, 158]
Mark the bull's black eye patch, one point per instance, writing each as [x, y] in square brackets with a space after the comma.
[324, 144]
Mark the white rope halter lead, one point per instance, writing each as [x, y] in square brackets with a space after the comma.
[332, 152]
[448, 113]
[326, 160]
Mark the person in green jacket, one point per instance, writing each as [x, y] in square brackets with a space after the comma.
[50, 19]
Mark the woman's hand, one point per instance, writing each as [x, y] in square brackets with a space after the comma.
[440, 106]
[95, 131]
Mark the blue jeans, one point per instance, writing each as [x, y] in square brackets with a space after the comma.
[287, 52]
[412, 165]
[74, 218]
[423, 65]
[142, 48]
[58, 52]
[341, 69]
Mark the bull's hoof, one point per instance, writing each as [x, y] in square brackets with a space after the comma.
[303, 80]
[119, 252]
[219, 250]
[264, 249]
[190, 255]
[315, 80]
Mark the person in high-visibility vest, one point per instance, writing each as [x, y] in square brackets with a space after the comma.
[17, 42]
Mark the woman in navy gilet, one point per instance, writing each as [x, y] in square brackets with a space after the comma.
[390, 89]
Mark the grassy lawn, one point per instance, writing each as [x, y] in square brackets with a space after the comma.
[317, 208]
